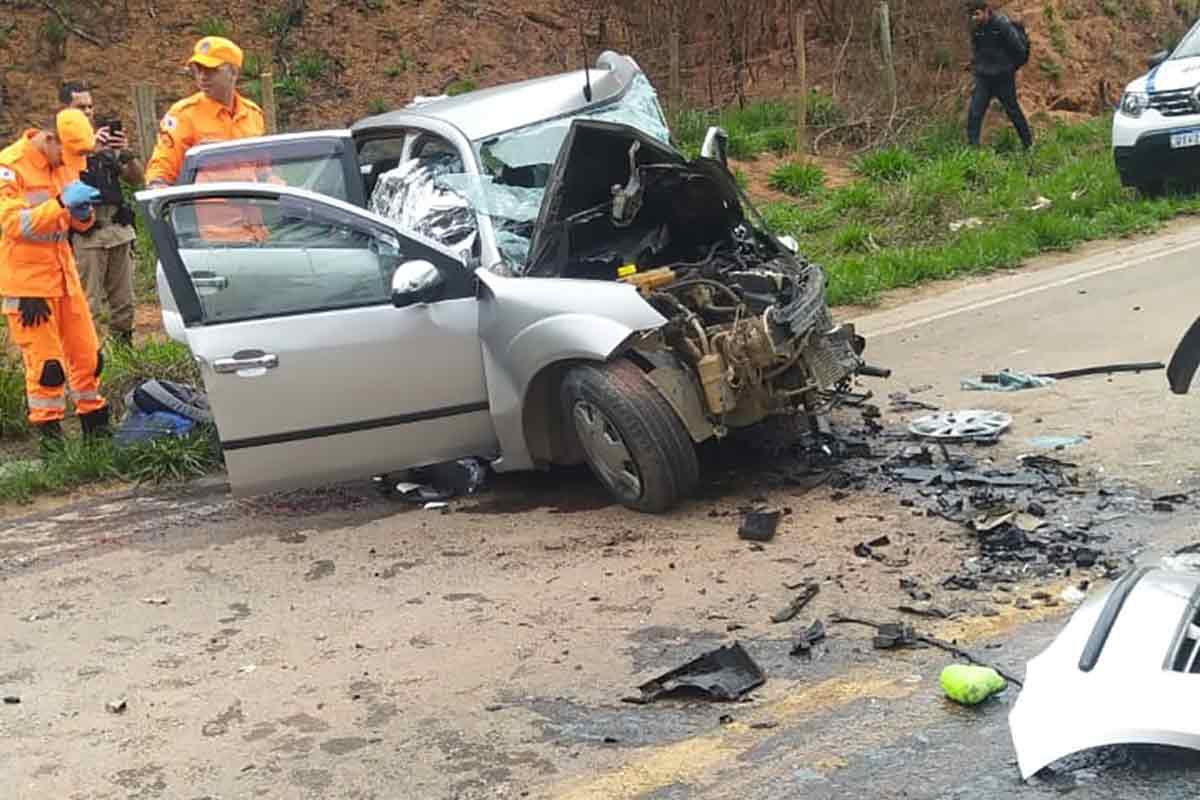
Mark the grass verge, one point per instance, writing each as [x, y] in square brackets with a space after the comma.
[934, 209]
[26, 472]
[80, 462]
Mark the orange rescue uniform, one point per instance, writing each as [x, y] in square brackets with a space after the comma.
[197, 120]
[36, 261]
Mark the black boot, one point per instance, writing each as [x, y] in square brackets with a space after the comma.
[95, 423]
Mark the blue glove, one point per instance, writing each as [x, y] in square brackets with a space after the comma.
[78, 197]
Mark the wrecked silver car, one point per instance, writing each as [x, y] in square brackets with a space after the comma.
[1123, 671]
[529, 273]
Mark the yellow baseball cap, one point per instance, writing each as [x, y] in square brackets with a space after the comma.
[77, 137]
[213, 51]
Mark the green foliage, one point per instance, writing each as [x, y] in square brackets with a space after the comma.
[12, 393]
[1051, 69]
[797, 178]
[894, 227]
[291, 89]
[463, 86]
[215, 26]
[402, 64]
[312, 66]
[767, 126]
[77, 462]
[856, 237]
[887, 164]
[54, 33]
[377, 106]
[273, 22]
[251, 65]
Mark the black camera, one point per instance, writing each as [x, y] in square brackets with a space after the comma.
[113, 125]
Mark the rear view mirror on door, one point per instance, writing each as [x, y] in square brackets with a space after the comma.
[416, 282]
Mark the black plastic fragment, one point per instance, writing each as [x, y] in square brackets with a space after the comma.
[726, 673]
[797, 605]
[759, 526]
[892, 635]
[808, 637]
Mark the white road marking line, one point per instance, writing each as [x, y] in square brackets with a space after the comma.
[863, 324]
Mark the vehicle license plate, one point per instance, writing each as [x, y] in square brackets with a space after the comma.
[1187, 139]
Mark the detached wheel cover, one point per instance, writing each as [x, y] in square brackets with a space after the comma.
[606, 449]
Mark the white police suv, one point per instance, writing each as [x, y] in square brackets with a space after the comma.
[1156, 130]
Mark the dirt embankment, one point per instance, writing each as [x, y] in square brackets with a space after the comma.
[336, 60]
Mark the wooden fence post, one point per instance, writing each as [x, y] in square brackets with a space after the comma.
[889, 64]
[267, 82]
[145, 115]
[800, 33]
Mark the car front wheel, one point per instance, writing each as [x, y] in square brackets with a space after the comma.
[630, 436]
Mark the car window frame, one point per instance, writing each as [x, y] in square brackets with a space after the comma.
[460, 282]
[292, 146]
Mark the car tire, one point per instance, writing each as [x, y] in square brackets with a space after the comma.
[630, 436]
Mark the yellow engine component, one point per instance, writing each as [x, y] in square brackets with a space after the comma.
[646, 282]
[717, 393]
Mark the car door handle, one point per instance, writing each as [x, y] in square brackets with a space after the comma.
[210, 281]
[240, 361]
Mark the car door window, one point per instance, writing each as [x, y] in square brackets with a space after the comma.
[315, 164]
[293, 256]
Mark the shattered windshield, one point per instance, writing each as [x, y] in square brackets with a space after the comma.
[517, 164]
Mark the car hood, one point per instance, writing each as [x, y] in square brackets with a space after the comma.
[598, 158]
[1172, 75]
[1125, 670]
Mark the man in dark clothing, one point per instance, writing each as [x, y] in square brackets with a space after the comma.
[999, 52]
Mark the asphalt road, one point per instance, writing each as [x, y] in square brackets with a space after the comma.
[334, 644]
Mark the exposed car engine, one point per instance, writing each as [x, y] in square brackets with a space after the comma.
[744, 312]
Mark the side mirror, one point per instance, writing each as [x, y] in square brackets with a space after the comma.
[716, 145]
[416, 282]
[1158, 58]
[790, 243]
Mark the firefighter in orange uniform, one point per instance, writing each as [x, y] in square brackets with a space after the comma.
[41, 201]
[216, 113]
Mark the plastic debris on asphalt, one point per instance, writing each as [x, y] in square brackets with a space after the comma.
[727, 673]
[1006, 381]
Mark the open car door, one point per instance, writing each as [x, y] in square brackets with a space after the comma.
[312, 372]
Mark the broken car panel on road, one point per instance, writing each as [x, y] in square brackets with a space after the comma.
[520, 274]
[1123, 671]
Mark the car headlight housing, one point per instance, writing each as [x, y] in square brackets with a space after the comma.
[1133, 104]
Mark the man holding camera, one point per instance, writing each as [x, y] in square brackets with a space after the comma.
[104, 253]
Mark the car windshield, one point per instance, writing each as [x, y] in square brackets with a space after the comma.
[1189, 47]
[517, 165]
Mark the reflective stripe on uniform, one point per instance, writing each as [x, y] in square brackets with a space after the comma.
[37, 196]
[26, 218]
[10, 305]
[85, 396]
[47, 402]
[57, 236]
